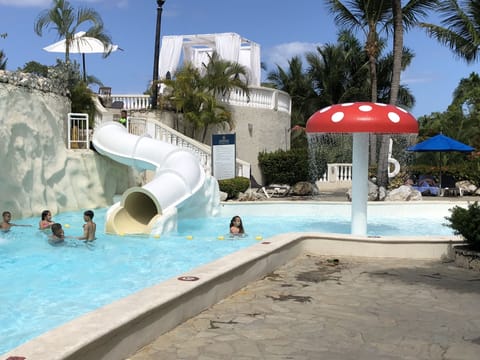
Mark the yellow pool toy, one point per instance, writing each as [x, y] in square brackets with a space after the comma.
[221, 237]
[66, 226]
[258, 237]
[189, 237]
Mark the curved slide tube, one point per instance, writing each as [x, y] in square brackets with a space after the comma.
[178, 176]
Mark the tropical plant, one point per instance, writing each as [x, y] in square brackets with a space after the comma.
[34, 67]
[373, 18]
[67, 21]
[296, 82]
[459, 29]
[222, 76]
[466, 222]
[193, 96]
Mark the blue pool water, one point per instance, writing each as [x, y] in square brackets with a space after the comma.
[43, 286]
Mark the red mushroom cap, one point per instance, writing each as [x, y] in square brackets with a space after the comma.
[362, 117]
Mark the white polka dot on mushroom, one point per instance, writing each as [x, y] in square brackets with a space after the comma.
[393, 117]
[338, 116]
[365, 108]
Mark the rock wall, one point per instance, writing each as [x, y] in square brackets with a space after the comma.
[37, 171]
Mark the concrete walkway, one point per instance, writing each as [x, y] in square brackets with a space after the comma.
[356, 308]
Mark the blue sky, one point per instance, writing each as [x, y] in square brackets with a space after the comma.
[282, 28]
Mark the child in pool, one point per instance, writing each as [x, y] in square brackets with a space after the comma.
[46, 222]
[89, 227]
[58, 236]
[236, 226]
[6, 224]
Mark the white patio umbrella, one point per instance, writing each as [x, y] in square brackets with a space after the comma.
[82, 44]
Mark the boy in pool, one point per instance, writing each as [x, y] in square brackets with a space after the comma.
[89, 227]
[6, 224]
[58, 236]
[46, 221]
[236, 226]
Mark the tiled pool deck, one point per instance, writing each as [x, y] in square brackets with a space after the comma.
[360, 308]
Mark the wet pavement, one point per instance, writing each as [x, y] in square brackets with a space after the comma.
[316, 307]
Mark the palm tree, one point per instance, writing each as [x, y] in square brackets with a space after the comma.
[340, 71]
[460, 29]
[296, 82]
[374, 18]
[403, 19]
[195, 97]
[222, 76]
[67, 21]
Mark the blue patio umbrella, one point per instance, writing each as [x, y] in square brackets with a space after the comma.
[441, 143]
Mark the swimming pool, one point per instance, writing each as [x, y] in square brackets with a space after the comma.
[46, 286]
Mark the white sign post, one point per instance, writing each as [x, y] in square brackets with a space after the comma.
[223, 156]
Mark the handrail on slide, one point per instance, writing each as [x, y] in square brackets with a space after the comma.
[178, 175]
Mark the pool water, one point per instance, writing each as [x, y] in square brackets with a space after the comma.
[43, 286]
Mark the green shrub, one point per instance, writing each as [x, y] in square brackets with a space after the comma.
[234, 186]
[284, 167]
[466, 222]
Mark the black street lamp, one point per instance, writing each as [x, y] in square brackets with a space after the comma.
[157, 54]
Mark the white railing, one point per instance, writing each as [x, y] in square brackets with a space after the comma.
[78, 131]
[337, 173]
[132, 102]
[259, 98]
[157, 130]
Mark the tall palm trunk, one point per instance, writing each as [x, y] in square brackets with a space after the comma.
[382, 169]
[372, 51]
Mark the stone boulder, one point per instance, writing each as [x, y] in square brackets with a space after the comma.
[252, 195]
[404, 193]
[303, 188]
[372, 192]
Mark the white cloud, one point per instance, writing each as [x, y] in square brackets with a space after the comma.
[280, 54]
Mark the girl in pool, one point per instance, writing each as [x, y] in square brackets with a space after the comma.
[236, 226]
[46, 222]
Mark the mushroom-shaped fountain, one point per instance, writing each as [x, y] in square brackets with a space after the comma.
[361, 119]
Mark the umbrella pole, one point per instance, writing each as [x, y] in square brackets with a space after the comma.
[84, 72]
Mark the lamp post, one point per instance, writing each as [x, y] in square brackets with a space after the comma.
[157, 54]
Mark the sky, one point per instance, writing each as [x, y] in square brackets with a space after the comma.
[282, 28]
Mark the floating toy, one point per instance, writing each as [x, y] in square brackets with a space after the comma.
[258, 237]
[189, 237]
[221, 237]
[66, 226]
[156, 236]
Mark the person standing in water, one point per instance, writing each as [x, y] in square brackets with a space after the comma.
[46, 222]
[236, 226]
[89, 227]
[6, 224]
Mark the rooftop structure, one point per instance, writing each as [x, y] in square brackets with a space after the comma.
[196, 49]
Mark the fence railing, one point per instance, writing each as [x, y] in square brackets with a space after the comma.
[157, 130]
[78, 131]
[259, 97]
[337, 173]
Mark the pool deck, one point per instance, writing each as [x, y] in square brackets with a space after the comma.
[358, 308]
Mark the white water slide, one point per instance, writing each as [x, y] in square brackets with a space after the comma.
[179, 181]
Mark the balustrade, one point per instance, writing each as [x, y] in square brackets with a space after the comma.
[259, 97]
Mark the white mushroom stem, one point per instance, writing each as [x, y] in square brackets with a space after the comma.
[359, 184]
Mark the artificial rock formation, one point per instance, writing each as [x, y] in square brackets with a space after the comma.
[38, 172]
